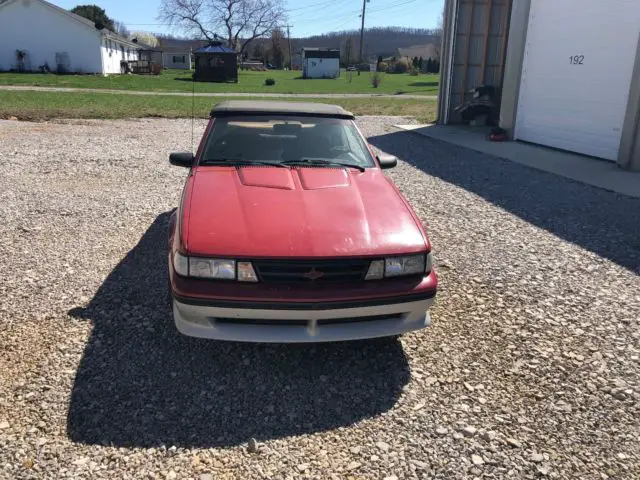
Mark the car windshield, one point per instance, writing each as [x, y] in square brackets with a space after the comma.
[311, 141]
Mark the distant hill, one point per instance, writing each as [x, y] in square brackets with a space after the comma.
[380, 41]
[377, 41]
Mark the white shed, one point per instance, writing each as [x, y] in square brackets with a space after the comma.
[35, 34]
[320, 63]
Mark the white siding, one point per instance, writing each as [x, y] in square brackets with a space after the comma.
[322, 67]
[168, 60]
[113, 52]
[46, 35]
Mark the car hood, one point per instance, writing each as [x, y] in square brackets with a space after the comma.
[298, 212]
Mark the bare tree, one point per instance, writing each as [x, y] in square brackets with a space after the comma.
[440, 27]
[121, 28]
[347, 50]
[277, 47]
[239, 21]
[146, 38]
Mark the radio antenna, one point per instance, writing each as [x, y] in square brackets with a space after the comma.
[193, 106]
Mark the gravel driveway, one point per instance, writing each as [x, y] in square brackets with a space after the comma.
[531, 368]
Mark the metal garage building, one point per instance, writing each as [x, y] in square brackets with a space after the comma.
[567, 72]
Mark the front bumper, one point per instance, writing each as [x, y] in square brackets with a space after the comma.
[309, 323]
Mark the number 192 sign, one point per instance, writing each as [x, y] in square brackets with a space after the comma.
[576, 60]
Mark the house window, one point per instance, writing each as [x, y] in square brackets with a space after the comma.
[179, 59]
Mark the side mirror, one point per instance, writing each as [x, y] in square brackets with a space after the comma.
[182, 159]
[387, 161]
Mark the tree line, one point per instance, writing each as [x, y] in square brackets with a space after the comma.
[253, 28]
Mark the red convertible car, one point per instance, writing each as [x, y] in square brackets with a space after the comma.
[288, 231]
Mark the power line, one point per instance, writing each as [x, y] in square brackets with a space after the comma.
[394, 6]
[324, 2]
[349, 18]
[308, 13]
[334, 29]
[317, 15]
[350, 15]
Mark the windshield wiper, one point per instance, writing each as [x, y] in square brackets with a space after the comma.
[322, 162]
[242, 163]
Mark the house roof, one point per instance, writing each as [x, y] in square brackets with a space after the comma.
[179, 45]
[315, 52]
[114, 36]
[425, 51]
[182, 50]
[215, 48]
[251, 107]
[144, 46]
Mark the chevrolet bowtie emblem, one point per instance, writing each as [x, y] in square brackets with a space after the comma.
[313, 274]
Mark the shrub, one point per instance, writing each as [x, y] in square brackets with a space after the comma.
[383, 66]
[402, 66]
[376, 79]
[270, 82]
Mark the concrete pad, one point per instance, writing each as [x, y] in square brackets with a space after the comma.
[589, 170]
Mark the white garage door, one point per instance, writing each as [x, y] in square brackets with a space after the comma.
[576, 75]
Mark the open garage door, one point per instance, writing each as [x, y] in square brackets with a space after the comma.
[576, 75]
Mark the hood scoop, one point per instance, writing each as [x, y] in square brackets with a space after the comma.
[320, 178]
[282, 178]
[266, 177]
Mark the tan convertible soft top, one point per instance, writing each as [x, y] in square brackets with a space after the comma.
[306, 109]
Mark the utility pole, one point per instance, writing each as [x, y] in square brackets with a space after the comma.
[364, 10]
[289, 40]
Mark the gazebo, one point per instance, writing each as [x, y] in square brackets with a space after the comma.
[216, 63]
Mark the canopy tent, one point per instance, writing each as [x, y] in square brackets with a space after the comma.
[216, 63]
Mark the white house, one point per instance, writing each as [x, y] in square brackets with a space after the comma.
[177, 60]
[320, 63]
[35, 34]
[177, 53]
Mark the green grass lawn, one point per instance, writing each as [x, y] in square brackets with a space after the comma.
[248, 82]
[39, 106]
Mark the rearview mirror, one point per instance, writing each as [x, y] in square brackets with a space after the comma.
[387, 161]
[182, 159]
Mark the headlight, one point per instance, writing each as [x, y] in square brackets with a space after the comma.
[219, 269]
[214, 268]
[399, 266]
[181, 264]
[396, 266]
[429, 264]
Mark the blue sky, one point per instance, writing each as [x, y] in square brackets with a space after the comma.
[308, 17]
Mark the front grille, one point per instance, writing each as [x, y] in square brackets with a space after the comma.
[305, 323]
[311, 271]
[372, 318]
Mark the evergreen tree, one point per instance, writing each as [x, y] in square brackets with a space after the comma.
[96, 14]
